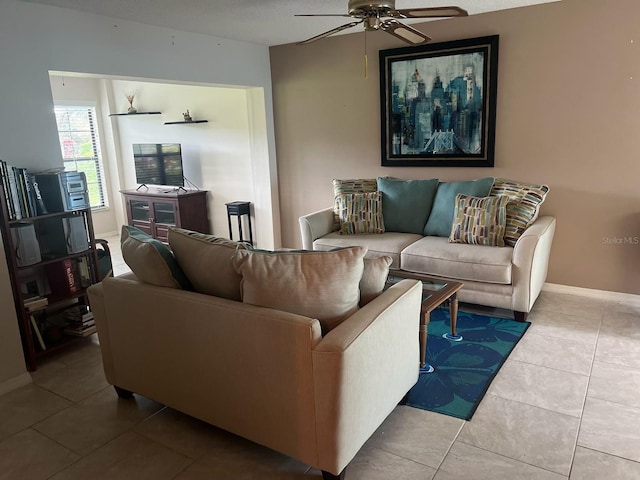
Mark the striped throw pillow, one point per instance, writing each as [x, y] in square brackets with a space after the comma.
[523, 208]
[479, 220]
[360, 213]
[351, 185]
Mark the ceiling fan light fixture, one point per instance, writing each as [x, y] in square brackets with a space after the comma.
[372, 23]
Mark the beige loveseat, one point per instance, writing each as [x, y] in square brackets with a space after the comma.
[267, 375]
[509, 277]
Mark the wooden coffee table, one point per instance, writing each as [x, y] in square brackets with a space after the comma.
[435, 291]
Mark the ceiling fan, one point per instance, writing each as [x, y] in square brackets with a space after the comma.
[382, 15]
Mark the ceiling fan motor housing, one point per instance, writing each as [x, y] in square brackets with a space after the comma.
[365, 8]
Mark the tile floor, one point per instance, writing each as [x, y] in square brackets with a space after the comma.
[566, 405]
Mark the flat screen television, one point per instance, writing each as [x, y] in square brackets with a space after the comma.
[158, 164]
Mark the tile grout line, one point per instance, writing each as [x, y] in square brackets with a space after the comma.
[586, 393]
[513, 459]
[464, 422]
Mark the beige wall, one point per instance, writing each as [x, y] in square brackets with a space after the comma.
[567, 115]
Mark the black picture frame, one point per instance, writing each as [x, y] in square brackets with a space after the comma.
[438, 104]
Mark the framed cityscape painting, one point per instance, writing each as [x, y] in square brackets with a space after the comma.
[438, 104]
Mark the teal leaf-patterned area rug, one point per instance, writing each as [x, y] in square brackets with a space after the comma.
[463, 370]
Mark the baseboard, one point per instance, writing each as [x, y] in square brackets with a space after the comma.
[115, 233]
[590, 292]
[16, 382]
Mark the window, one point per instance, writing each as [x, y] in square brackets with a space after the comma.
[80, 144]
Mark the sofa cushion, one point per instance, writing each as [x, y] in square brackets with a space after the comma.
[207, 262]
[150, 260]
[523, 208]
[388, 243]
[322, 285]
[441, 216]
[351, 185]
[360, 213]
[479, 221]
[436, 256]
[374, 277]
[406, 204]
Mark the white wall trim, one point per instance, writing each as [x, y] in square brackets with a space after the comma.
[14, 383]
[590, 292]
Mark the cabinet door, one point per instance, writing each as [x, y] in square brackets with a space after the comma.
[140, 210]
[164, 213]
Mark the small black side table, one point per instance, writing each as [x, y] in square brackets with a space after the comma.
[238, 209]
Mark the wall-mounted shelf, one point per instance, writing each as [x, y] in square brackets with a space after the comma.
[132, 114]
[184, 121]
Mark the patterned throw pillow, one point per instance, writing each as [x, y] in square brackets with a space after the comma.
[349, 186]
[523, 208]
[150, 260]
[479, 221]
[360, 213]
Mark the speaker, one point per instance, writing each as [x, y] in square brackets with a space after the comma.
[75, 234]
[63, 235]
[27, 249]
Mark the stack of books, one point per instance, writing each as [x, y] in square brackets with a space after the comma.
[35, 302]
[21, 192]
[80, 322]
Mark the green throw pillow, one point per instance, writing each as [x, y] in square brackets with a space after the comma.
[441, 217]
[406, 203]
[150, 260]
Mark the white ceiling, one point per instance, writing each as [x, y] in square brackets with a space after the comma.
[266, 22]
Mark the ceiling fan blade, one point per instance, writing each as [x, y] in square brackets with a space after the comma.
[322, 15]
[404, 32]
[434, 12]
[330, 32]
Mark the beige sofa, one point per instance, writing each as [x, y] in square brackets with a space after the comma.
[503, 277]
[266, 375]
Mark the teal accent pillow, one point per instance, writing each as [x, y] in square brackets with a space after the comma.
[441, 217]
[150, 260]
[406, 203]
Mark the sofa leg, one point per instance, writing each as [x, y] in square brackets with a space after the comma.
[331, 476]
[520, 316]
[122, 393]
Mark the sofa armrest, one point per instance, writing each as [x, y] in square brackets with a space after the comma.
[97, 303]
[315, 225]
[362, 369]
[531, 261]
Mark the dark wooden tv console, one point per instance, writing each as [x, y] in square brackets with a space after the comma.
[154, 210]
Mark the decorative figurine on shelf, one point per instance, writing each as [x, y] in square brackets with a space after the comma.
[187, 116]
[130, 97]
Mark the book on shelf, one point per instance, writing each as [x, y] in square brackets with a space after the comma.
[19, 192]
[35, 302]
[36, 331]
[80, 331]
[62, 276]
[83, 272]
[4, 174]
